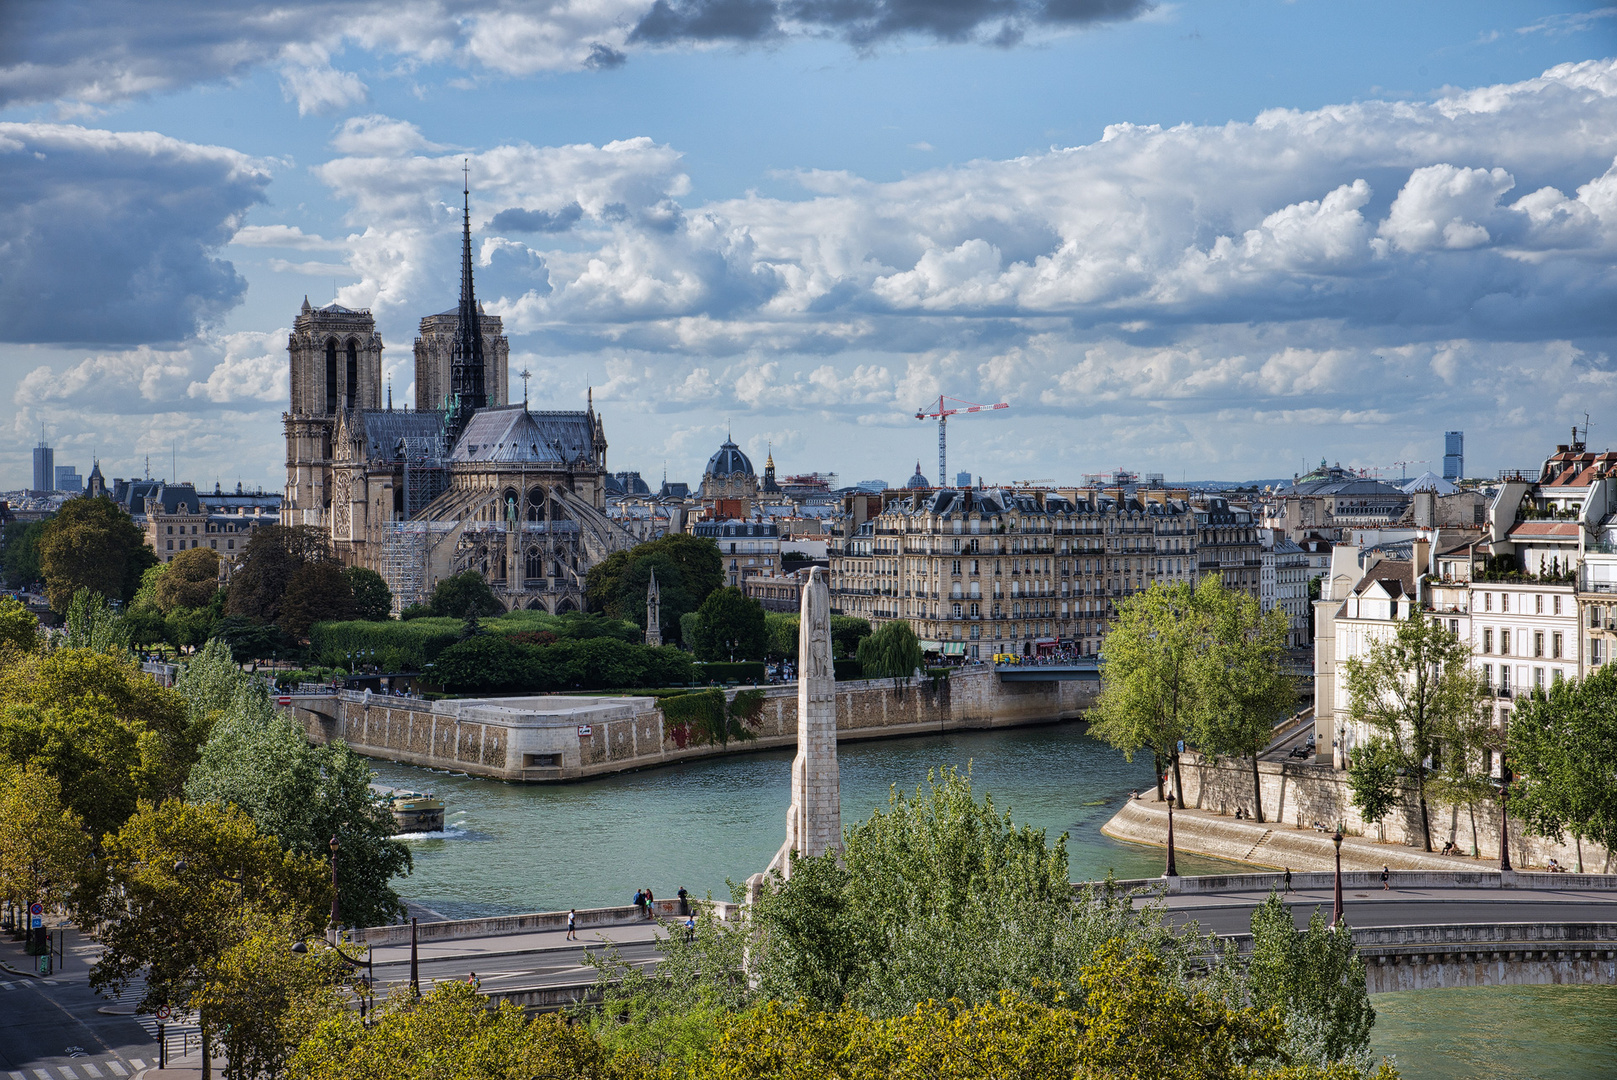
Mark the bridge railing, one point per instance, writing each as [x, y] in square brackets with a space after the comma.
[1367, 879]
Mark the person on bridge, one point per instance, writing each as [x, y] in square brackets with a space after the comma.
[1385, 874]
[572, 925]
[684, 901]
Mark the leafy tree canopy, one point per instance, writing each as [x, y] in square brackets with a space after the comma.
[373, 601]
[1564, 746]
[92, 544]
[19, 629]
[318, 591]
[729, 626]
[297, 792]
[190, 580]
[274, 553]
[19, 552]
[892, 652]
[464, 594]
[1315, 979]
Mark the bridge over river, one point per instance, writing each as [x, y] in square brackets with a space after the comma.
[1421, 933]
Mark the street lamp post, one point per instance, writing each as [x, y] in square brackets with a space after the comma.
[1173, 870]
[335, 914]
[1336, 910]
[367, 987]
[1504, 819]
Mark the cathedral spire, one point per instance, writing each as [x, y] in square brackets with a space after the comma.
[466, 375]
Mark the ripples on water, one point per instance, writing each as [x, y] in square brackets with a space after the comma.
[516, 847]
[1500, 1032]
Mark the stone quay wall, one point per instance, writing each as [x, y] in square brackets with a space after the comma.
[557, 738]
[1304, 793]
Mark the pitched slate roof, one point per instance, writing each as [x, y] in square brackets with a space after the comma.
[511, 434]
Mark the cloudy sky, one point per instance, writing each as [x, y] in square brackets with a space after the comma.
[1211, 239]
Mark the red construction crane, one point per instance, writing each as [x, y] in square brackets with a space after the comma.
[942, 411]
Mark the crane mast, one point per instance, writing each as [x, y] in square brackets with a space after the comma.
[942, 411]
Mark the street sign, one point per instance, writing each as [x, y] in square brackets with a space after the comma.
[163, 1012]
[36, 921]
[36, 908]
[284, 699]
[585, 731]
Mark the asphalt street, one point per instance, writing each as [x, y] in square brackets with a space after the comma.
[52, 1028]
[1231, 913]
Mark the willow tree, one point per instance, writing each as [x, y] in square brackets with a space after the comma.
[1244, 685]
[1413, 688]
[1148, 685]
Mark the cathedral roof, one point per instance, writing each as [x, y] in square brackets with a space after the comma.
[384, 428]
[512, 434]
[728, 461]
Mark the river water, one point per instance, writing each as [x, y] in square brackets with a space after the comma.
[515, 848]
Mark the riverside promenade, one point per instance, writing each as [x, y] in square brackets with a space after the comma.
[1281, 845]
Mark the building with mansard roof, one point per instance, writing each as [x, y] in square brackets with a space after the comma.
[468, 482]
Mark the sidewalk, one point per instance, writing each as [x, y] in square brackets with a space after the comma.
[1275, 845]
[538, 941]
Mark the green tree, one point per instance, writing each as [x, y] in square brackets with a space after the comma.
[44, 852]
[1154, 655]
[92, 624]
[1315, 978]
[1411, 688]
[372, 599]
[1243, 686]
[318, 591]
[846, 634]
[1460, 770]
[1563, 745]
[450, 1033]
[780, 631]
[92, 544]
[274, 553]
[251, 641]
[190, 580]
[465, 594]
[301, 794]
[729, 626]
[180, 881]
[688, 569]
[264, 1000]
[1373, 778]
[892, 652]
[100, 726]
[19, 552]
[19, 629]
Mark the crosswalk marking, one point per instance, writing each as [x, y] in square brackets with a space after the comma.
[16, 1076]
[91, 1069]
[137, 1063]
[43, 1075]
[67, 1072]
[117, 1068]
[7, 986]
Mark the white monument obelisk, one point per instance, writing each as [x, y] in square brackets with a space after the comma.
[814, 821]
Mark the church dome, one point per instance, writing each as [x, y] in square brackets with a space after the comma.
[919, 480]
[728, 461]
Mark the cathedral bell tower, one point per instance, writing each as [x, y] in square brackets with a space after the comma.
[336, 360]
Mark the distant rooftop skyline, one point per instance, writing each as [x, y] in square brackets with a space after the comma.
[1187, 238]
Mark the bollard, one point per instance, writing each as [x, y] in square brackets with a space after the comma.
[162, 1047]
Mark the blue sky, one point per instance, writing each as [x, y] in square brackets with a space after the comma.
[1208, 239]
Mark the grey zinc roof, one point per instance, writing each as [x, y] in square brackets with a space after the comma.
[383, 430]
[511, 434]
[728, 461]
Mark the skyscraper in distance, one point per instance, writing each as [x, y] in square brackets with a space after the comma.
[1453, 455]
[44, 465]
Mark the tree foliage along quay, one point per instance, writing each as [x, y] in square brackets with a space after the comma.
[1413, 689]
[1563, 746]
[892, 652]
[301, 794]
[728, 626]
[1200, 665]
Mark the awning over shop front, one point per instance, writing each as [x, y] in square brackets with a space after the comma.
[932, 646]
[954, 648]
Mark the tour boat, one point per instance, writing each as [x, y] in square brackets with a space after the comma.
[415, 811]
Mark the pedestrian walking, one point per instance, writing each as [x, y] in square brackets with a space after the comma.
[690, 929]
[1385, 874]
[1288, 879]
[651, 912]
[572, 925]
[684, 901]
[473, 981]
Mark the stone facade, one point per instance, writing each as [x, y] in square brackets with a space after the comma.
[814, 819]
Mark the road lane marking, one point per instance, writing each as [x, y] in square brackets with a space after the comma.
[91, 1069]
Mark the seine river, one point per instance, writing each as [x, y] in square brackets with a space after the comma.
[515, 848]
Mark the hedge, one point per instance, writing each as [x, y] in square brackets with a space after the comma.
[411, 645]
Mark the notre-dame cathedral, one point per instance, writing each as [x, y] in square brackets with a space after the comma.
[463, 482]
